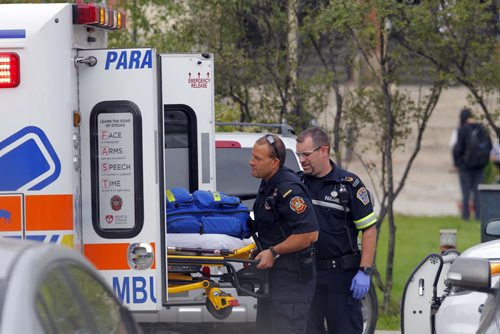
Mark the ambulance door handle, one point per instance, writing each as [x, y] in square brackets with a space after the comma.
[421, 286]
[89, 61]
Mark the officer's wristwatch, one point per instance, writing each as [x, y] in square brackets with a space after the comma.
[367, 270]
[274, 252]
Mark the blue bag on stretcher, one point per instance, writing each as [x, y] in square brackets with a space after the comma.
[206, 212]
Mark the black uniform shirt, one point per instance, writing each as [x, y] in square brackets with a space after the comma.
[283, 198]
[339, 228]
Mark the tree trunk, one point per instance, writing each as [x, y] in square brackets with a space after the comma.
[293, 58]
[388, 151]
[336, 125]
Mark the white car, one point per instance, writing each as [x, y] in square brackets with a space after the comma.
[46, 288]
[433, 304]
[476, 274]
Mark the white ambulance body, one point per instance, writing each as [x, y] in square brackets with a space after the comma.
[90, 137]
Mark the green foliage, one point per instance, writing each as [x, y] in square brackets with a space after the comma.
[380, 115]
[490, 173]
[459, 39]
[367, 118]
[417, 237]
[458, 36]
[225, 113]
[249, 40]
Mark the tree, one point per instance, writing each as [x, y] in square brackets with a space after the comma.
[255, 53]
[461, 42]
[334, 53]
[380, 114]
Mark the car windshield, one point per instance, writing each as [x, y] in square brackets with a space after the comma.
[233, 172]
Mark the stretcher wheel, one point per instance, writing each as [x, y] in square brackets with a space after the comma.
[221, 314]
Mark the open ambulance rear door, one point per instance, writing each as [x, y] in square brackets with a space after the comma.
[147, 125]
[121, 172]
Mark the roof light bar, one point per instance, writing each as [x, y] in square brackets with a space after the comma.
[9, 70]
[98, 16]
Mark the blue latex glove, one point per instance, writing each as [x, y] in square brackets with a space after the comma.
[360, 285]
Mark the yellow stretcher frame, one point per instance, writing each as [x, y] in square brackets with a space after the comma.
[218, 302]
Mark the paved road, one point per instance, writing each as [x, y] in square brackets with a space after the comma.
[214, 329]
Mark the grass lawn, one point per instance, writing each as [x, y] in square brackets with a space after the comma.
[416, 237]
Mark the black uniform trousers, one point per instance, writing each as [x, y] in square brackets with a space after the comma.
[469, 183]
[333, 301]
[287, 308]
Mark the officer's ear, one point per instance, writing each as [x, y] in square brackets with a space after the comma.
[276, 163]
[325, 149]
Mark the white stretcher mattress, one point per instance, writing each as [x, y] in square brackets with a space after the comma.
[206, 241]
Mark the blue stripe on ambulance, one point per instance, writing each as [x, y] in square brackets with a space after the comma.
[12, 33]
[36, 237]
[51, 238]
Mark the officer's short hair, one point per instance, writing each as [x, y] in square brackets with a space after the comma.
[318, 135]
[277, 150]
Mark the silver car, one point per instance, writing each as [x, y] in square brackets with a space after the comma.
[46, 288]
[475, 274]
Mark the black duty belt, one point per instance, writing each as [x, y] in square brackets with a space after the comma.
[346, 262]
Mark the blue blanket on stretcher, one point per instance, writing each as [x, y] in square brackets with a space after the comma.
[206, 212]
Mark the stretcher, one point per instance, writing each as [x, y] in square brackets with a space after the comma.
[207, 260]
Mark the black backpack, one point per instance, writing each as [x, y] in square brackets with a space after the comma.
[477, 148]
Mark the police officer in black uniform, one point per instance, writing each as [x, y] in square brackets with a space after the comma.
[287, 228]
[343, 208]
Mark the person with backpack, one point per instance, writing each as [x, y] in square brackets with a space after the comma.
[471, 155]
[495, 157]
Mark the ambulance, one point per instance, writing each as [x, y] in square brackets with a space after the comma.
[91, 138]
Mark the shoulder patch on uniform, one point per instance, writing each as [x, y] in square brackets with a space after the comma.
[363, 196]
[288, 192]
[297, 204]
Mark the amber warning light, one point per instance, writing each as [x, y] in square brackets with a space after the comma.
[9, 70]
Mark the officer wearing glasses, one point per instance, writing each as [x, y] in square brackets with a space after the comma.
[287, 228]
[343, 209]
